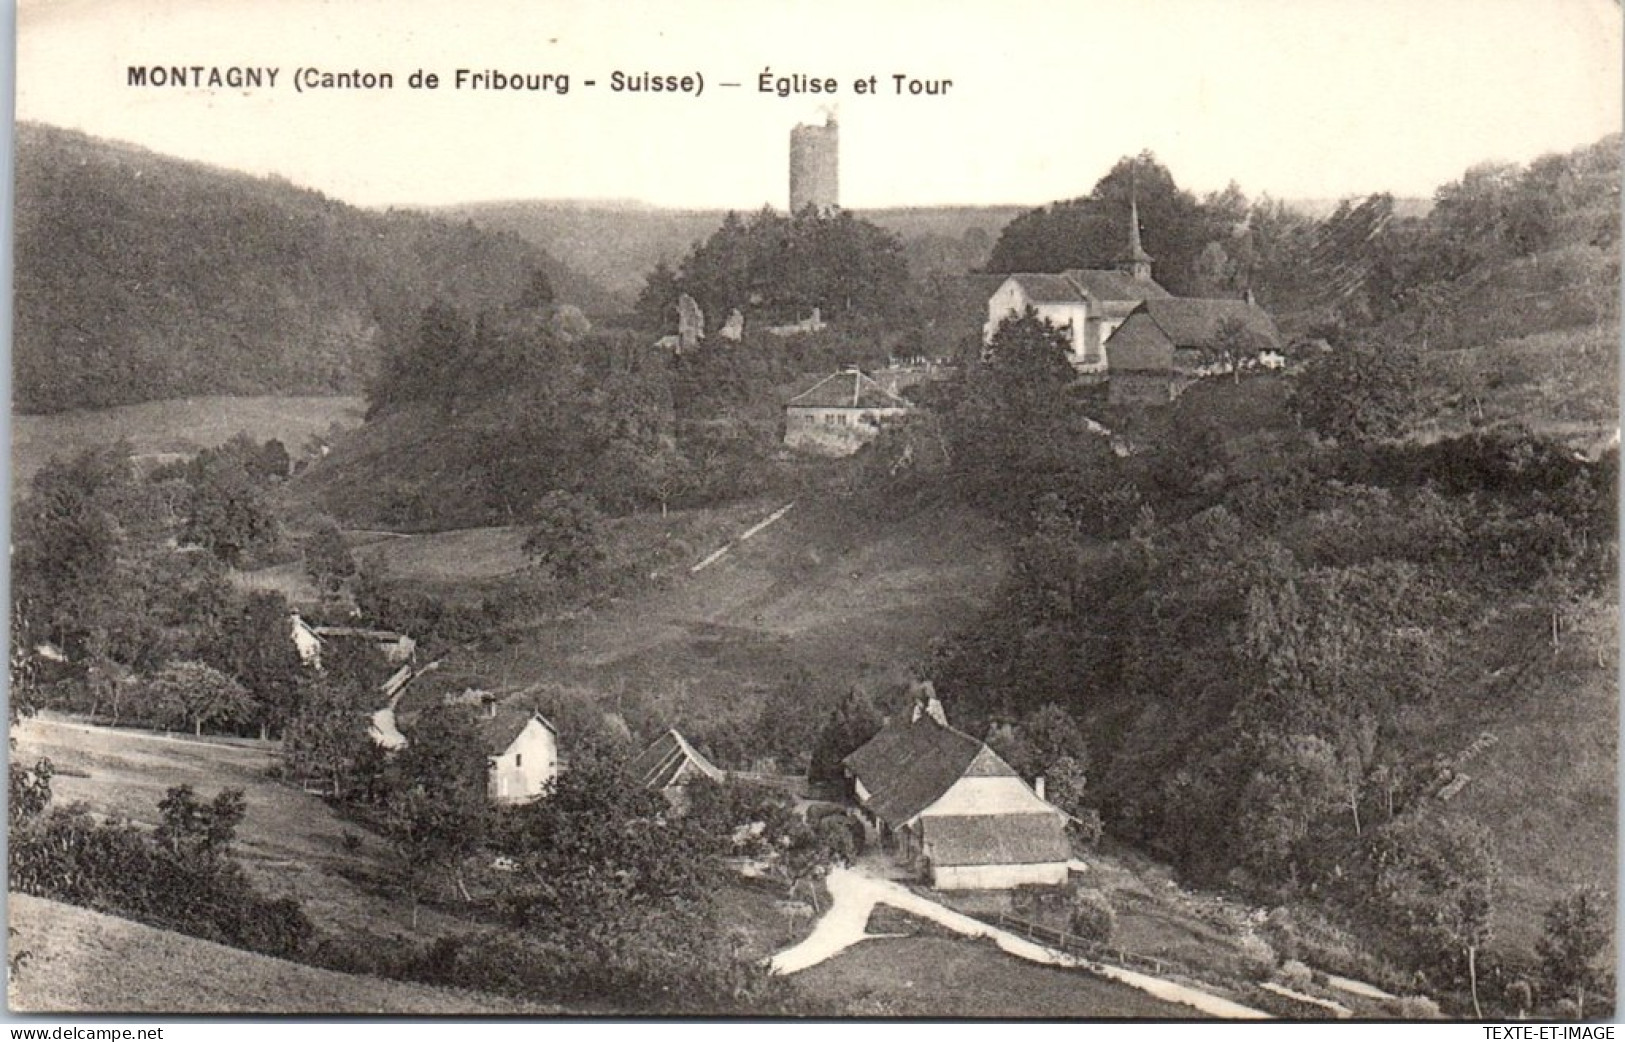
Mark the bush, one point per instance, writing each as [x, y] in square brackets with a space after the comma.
[1092, 916]
[1418, 1007]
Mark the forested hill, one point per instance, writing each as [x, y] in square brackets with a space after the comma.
[140, 277]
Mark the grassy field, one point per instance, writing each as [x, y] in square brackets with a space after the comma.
[926, 976]
[289, 842]
[1547, 788]
[83, 961]
[181, 425]
[847, 598]
[1563, 383]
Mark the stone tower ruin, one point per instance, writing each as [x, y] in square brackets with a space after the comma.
[815, 167]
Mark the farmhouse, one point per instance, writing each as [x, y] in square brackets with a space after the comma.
[840, 413]
[1168, 343]
[952, 810]
[1089, 304]
[309, 640]
[523, 751]
[668, 765]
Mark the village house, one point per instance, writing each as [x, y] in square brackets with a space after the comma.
[396, 648]
[522, 748]
[951, 810]
[669, 764]
[1165, 345]
[1088, 304]
[840, 413]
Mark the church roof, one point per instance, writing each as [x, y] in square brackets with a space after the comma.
[1098, 286]
[848, 389]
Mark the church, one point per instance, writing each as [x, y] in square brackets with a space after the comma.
[1089, 304]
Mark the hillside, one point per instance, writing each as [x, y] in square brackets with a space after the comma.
[617, 245]
[140, 277]
[184, 426]
[81, 961]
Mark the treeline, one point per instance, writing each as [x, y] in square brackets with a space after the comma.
[1365, 264]
[140, 277]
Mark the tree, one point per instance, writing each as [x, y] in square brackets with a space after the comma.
[196, 694]
[538, 291]
[1577, 929]
[226, 512]
[1360, 392]
[567, 536]
[854, 721]
[1434, 885]
[435, 811]
[252, 645]
[328, 560]
[327, 736]
[192, 829]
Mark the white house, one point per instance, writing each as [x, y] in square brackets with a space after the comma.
[1088, 303]
[840, 413]
[523, 751]
[952, 810]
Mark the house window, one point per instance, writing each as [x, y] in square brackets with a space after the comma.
[518, 759]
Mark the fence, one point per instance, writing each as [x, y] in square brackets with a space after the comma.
[1073, 944]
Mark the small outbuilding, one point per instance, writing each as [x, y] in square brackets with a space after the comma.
[669, 764]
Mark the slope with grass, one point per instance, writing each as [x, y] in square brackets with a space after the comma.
[80, 961]
[179, 426]
[290, 842]
[849, 598]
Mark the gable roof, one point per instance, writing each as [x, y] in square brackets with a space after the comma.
[498, 732]
[1104, 285]
[908, 766]
[1192, 322]
[1098, 286]
[668, 761]
[848, 389]
[995, 839]
[1043, 288]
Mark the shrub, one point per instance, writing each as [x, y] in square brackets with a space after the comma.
[1092, 916]
[1418, 1007]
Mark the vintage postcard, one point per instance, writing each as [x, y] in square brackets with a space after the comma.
[855, 509]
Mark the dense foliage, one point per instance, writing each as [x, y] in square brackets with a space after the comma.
[141, 277]
[777, 268]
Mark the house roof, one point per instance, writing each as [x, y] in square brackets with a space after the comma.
[382, 636]
[499, 731]
[908, 766]
[669, 761]
[1101, 287]
[995, 839]
[1192, 322]
[848, 389]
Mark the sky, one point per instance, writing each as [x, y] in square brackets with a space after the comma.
[1299, 99]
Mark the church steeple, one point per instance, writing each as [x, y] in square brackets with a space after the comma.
[1137, 262]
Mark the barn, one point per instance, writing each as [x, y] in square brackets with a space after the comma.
[952, 811]
[669, 764]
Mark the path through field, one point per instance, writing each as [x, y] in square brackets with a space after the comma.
[854, 896]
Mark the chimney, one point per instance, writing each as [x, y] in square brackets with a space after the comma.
[1038, 786]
